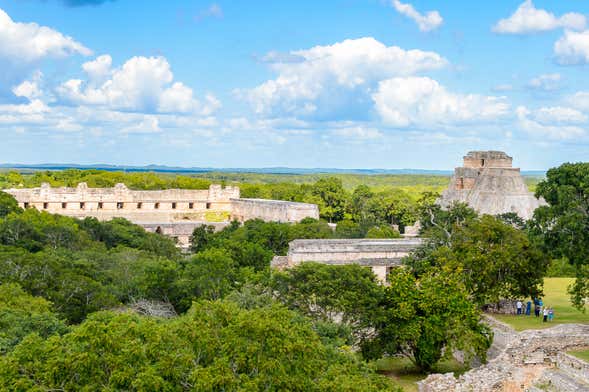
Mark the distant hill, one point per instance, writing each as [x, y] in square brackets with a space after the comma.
[266, 170]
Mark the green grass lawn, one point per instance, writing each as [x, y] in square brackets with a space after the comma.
[555, 296]
[584, 355]
[406, 374]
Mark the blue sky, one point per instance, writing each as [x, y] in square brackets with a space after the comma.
[348, 83]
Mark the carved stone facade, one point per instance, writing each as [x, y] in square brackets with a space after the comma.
[173, 212]
[488, 183]
[380, 255]
[162, 206]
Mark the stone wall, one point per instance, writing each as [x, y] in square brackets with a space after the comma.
[573, 366]
[529, 357]
[272, 210]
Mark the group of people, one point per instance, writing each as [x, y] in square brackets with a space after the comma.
[539, 309]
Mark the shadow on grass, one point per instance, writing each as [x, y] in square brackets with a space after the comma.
[404, 372]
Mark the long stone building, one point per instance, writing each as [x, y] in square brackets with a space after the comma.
[379, 254]
[489, 183]
[173, 212]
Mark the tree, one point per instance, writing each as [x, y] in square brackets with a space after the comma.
[216, 346]
[333, 196]
[382, 231]
[563, 225]
[345, 294]
[348, 229]
[210, 274]
[495, 260]
[8, 205]
[22, 314]
[426, 319]
[311, 229]
[201, 237]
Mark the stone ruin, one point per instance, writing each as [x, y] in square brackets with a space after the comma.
[527, 361]
[489, 184]
[172, 212]
[378, 254]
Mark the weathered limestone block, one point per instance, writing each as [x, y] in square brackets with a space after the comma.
[525, 361]
[575, 367]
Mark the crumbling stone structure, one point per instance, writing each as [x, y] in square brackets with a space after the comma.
[531, 360]
[380, 255]
[173, 212]
[488, 183]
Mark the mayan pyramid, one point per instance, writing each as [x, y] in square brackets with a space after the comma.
[488, 183]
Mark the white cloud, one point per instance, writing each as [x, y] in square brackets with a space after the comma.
[529, 19]
[337, 78]
[23, 46]
[572, 48]
[428, 22]
[357, 132]
[142, 84]
[579, 100]
[546, 82]
[98, 70]
[559, 115]
[35, 106]
[542, 130]
[149, 124]
[404, 102]
[29, 42]
[503, 87]
[29, 88]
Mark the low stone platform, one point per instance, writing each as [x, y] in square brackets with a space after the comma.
[380, 255]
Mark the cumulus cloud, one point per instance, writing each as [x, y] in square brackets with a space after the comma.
[546, 82]
[29, 42]
[142, 84]
[572, 48]
[357, 133]
[35, 106]
[24, 45]
[30, 89]
[428, 22]
[539, 128]
[558, 115]
[579, 100]
[529, 19]
[335, 79]
[149, 124]
[421, 101]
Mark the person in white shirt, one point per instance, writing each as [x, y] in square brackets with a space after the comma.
[519, 306]
[545, 314]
